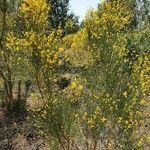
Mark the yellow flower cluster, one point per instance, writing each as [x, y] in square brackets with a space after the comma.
[142, 68]
[75, 89]
[47, 47]
[78, 48]
[35, 11]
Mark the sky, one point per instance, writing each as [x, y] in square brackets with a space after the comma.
[80, 7]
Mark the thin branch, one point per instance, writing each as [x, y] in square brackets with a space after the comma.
[4, 10]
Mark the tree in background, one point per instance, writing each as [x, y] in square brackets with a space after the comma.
[58, 13]
[60, 17]
[138, 42]
[72, 24]
[141, 13]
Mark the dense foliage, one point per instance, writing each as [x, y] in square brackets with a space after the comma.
[92, 84]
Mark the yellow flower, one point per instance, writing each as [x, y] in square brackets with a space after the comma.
[94, 117]
[73, 85]
[142, 102]
[84, 116]
[90, 121]
[126, 122]
[61, 49]
[148, 139]
[97, 111]
[119, 120]
[125, 94]
[76, 115]
[140, 142]
[103, 119]
[80, 88]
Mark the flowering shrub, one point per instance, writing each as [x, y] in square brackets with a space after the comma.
[102, 107]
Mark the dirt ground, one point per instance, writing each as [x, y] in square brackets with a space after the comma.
[18, 136]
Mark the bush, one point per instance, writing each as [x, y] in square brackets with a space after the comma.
[101, 106]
